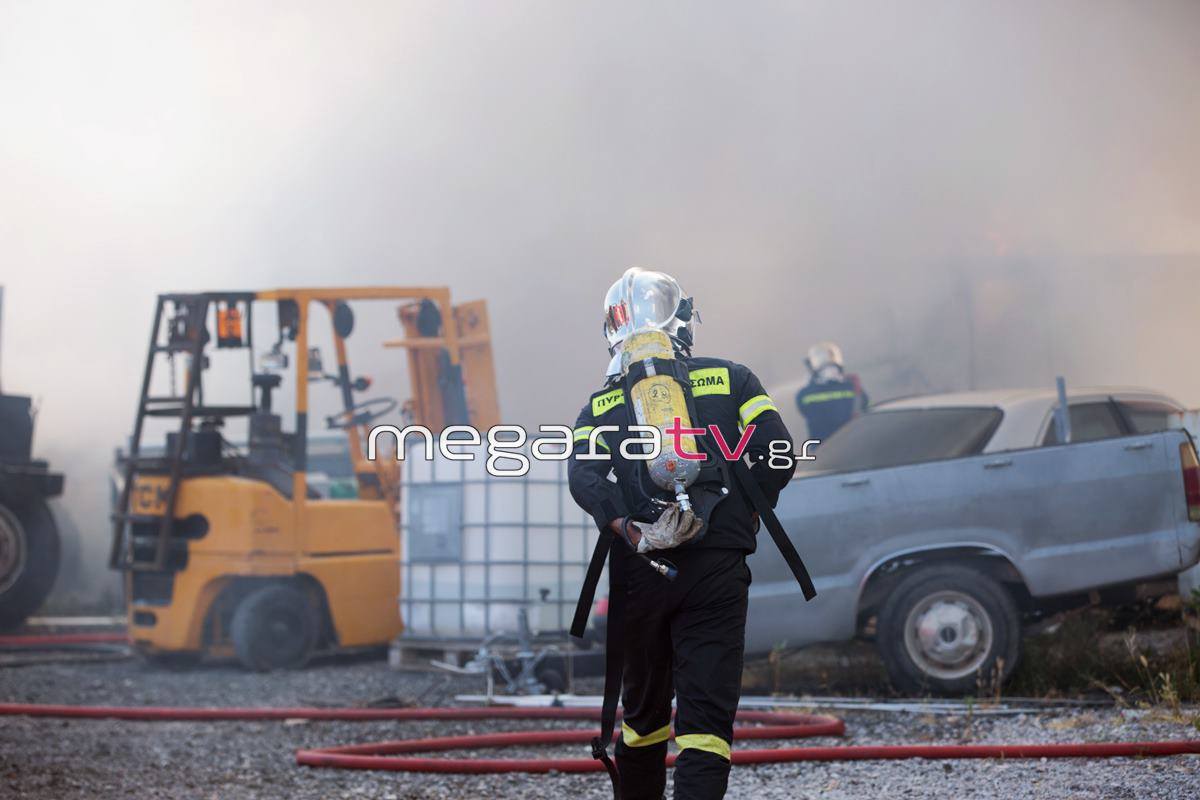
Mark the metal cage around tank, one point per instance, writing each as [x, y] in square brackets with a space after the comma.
[479, 547]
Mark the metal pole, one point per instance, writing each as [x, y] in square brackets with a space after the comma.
[1, 333]
[1062, 416]
[970, 309]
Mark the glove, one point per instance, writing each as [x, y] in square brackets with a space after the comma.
[673, 528]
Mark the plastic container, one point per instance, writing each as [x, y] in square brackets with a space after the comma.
[476, 548]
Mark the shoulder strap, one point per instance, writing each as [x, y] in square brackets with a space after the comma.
[778, 534]
[587, 593]
[614, 667]
[614, 644]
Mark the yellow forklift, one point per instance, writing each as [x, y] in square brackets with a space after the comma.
[230, 550]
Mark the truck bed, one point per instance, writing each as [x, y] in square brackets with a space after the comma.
[1068, 518]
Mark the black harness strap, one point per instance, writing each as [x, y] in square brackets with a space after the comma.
[587, 594]
[614, 644]
[614, 667]
[778, 534]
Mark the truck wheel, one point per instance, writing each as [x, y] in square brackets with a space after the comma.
[945, 628]
[274, 627]
[29, 554]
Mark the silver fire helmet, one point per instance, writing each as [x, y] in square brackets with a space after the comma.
[643, 300]
[614, 365]
[824, 354]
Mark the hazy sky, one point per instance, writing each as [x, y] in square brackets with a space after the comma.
[808, 170]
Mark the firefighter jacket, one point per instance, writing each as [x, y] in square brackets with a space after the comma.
[828, 405]
[726, 395]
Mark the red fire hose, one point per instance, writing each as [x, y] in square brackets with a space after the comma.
[49, 641]
[394, 755]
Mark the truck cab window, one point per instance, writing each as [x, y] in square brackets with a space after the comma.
[1146, 416]
[1090, 422]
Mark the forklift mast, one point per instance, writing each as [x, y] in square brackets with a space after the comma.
[450, 368]
[186, 333]
[447, 393]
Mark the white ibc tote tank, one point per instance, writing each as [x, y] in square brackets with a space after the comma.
[476, 548]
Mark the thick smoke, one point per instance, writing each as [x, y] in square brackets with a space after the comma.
[982, 194]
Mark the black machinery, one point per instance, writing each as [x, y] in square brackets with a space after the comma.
[29, 543]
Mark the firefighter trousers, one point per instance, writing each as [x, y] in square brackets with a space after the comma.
[683, 638]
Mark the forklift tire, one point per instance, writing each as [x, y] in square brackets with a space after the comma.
[29, 555]
[275, 627]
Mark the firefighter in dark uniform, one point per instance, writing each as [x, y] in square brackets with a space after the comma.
[682, 637]
[831, 397]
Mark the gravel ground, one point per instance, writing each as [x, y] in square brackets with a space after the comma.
[46, 758]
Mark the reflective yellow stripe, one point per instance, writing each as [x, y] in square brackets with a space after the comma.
[755, 406]
[704, 741]
[711, 380]
[824, 397]
[606, 401]
[632, 738]
[585, 433]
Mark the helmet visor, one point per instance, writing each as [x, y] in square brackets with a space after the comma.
[640, 301]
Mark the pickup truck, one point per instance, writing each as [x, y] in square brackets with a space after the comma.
[946, 523]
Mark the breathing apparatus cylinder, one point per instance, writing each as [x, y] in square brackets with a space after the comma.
[658, 400]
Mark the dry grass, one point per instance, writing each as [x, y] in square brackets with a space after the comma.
[1086, 652]
[1147, 656]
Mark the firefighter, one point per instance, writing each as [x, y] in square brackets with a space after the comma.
[680, 638]
[832, 396]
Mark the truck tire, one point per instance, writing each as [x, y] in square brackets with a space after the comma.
[945, 629]
[29, 555]
[275, 627]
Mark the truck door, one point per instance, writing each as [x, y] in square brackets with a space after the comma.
[832, 520]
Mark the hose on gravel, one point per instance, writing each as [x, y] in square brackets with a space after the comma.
[396, 755]
[53, 641]
[63, 648]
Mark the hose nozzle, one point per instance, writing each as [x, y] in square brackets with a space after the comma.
[663, 567]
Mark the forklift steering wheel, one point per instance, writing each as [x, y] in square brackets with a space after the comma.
[362, 413]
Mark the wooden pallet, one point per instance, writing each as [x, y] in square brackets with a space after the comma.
[417, 652]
